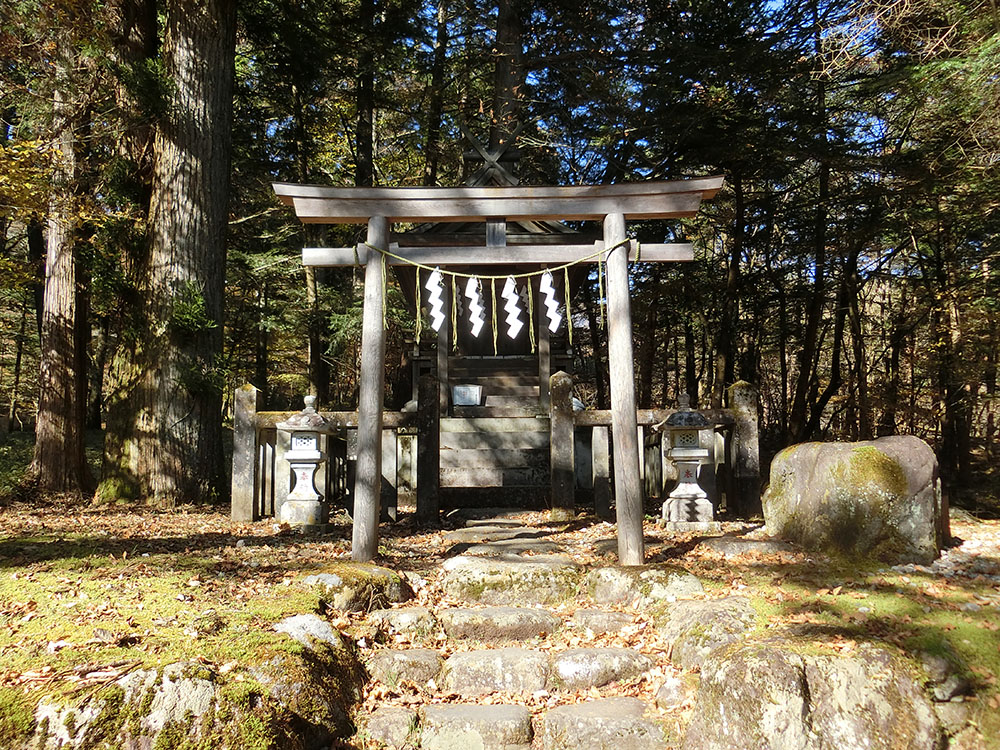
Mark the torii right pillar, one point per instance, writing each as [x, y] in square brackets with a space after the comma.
[628, 482]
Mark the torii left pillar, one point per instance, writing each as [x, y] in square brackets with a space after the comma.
[368, 478]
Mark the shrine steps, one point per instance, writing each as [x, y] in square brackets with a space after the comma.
[507, 632]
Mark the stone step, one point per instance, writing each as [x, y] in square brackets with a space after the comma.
[496, 440]
[540, 579]
[416, 621]
[513, 546]
[510, 670]
[457, 726]
[527, 498]
[496, 382]
[604, 724]
[508, 388]
[527, 403]
[497, 624]
[494, 458]
[488, 516]
[487, 425]
[392, 666]
[486, 412]
[482, 477]
[485, 533]
[518, 670]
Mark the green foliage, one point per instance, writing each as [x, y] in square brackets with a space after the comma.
[188, 313]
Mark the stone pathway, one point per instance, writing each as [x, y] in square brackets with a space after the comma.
[498, 666]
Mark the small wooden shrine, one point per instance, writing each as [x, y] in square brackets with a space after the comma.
[494, 266]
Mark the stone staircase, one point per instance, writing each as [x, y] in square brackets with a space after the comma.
[497, 666]
[500, 449]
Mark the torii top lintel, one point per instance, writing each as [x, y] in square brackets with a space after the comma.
[674, 199]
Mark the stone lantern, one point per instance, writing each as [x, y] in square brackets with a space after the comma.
[305, 508]
[687, 502]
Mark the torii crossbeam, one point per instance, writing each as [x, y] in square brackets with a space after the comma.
[610, 204]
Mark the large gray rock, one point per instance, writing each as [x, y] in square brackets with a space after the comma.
[878, 499]
[493, 624]
[640, 585]
[606, 724]
[297, 697]
[359, 587]
[582, 668]
[471, 727]
[693, 629]
[781, 695]
[510, 670]
[541, 580]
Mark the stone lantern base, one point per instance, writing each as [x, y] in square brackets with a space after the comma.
[687, 502]
[305, 515]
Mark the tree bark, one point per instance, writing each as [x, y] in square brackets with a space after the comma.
[432, 144]
[59, 463]
[725, 353]
[179, 399]
[364, 175]
[136, 45]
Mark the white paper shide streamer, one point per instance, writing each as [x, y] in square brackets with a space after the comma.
[551, 306]
[512, 308]
[435, 289]
[476, 317]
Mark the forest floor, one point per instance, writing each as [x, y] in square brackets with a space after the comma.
[88, 593]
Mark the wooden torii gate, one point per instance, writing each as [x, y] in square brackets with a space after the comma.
[610, 204]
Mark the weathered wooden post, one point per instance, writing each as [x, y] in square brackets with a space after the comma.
[746, 454]
[562, 457]
[368, 477]
[628, 481]
[428, 451]
[244, 485]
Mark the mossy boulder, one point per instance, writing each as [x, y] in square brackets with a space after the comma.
[297, 695]
[780, 695]
[359, 587]
[878, 499]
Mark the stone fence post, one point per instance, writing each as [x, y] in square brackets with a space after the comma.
[562, 448]
[743, 402]
[246, 402]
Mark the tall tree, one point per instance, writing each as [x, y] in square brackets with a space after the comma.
[59, 462]
[175, 451]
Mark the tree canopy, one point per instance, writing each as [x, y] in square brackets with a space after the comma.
[848, 269]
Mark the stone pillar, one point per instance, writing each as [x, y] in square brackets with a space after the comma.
[244, 485]
[743, 402]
